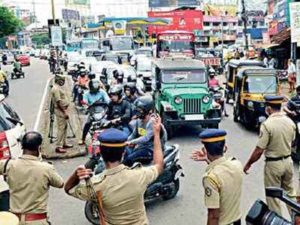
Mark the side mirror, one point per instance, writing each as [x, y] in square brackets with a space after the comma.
[274, 192]
[14, 121]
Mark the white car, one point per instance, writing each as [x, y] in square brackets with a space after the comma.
[98, 67]
[12, 130]
[143, 68]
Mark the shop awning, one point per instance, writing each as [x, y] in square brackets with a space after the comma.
[281, 36]
[265, 46]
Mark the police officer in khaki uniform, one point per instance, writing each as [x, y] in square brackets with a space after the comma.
[120, 189]
[222, 180]
[275, 141]
[61, 105]
[29, 180]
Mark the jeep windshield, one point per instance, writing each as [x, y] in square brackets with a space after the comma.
[183, 76]
[260, 84]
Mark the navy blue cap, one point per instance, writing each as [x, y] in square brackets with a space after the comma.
[212, 135]
[113, 138]
[273, 99]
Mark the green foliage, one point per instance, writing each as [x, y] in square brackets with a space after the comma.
[40, 39]
[9, 23]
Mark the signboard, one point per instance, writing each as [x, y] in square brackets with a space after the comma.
[176, 37]
[295, 21]
[70, 14]
[187, 20]
[77, 2]
[119, 27]
[221, 9]
[211, 61]
[172, 3]
[56, 36]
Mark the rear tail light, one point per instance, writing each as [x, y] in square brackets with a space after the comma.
[4, 147]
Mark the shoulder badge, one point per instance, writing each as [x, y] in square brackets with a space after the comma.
[208, 191]
[136, 165]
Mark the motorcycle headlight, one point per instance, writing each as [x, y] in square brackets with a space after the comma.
[178, 100]
[250, 104]
[206, 99]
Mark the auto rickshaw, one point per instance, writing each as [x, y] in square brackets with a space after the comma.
[250, 86]
[234, 66]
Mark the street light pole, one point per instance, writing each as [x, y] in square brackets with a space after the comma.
[53, 11]
[244, 18]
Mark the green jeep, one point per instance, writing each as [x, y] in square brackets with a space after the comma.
[181, 95]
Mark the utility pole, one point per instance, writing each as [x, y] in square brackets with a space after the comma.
[34, 14]
[53, 12]
[244, 18]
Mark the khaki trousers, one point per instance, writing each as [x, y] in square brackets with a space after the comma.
[37, 222]
[279, 174]
[62, 127]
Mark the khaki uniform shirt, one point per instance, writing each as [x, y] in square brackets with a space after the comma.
[222, 183]
[276, 135]
[58, 94]
[122, 190]
[29, 180]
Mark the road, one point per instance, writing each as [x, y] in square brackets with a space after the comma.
[187, 208]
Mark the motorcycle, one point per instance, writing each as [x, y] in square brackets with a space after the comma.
[166, 186]
[4, 88]
[17, 74]
[218, 95]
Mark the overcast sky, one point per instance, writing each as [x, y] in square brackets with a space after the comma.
[43, 7]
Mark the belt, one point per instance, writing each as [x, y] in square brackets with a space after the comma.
[32, 216]
[269, 159]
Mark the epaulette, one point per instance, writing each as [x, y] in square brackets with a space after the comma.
[98, 178]
[136, 165]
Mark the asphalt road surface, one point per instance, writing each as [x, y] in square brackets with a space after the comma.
[188, 207]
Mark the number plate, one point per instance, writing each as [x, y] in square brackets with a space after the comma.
[194, 117]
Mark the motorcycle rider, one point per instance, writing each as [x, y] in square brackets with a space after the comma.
[95, 94]
[4, 82]
[130, 92]
[214, 82]
[65, 62]
[17, 66]
[82, 82]
[4, 59]
[119, 110]
[52, 62]
[140, 142]
[118, 77]
[139, 84]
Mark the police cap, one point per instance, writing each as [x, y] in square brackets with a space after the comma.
[59, 77]
[8, 218]
[273, 99]
[113, 138]
[212, 135]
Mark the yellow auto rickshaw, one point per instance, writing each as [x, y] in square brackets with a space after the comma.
[234, 66]
[250, 86]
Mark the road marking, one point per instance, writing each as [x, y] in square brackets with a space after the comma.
[38, 118]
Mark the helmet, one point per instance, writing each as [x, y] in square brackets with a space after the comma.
[82, 72]
[131, 79]
[118, 74]
[92, 75]
[94, 85]
[143, 105]
[131, 87]
[211, 72]
[116, 90]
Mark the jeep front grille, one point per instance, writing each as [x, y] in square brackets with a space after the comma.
[192, 106]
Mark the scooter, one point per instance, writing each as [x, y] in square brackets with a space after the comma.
[166, 186]
[17, 74]
[218, 95]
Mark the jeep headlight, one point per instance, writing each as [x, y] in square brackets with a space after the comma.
[178, 100]
[206, 99]
[250, 104]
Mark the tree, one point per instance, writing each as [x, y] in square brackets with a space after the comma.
[40, 39]
[9, 23]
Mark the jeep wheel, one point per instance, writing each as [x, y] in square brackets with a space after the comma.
[169, 128]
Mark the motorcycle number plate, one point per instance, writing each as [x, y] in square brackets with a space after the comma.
[178, 174]
[298, 126]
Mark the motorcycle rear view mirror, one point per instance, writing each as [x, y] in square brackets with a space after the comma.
[14, 121]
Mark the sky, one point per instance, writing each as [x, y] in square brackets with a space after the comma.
[43, 7]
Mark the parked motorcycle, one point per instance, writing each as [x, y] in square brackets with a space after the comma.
[166, 186]
[17, 74]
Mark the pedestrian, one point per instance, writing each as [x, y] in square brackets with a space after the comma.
[61, 104]
[266, 61]
[275, 142]
[291, 75]
[222, 181]
[272, 63]
[120, 189]
[29, 180]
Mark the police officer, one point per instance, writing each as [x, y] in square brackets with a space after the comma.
[275, 141]
[29, 180]
[120, 189]
[61, 105]
[222, 180]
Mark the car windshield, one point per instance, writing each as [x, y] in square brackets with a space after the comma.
[7, 112]
[121, 43]
[184, 76]
[144, 66]
[147, 53]
[260, 84]
[175, 46]
[112, 58]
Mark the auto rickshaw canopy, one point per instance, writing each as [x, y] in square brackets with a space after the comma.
[255, 71]
[235, 63]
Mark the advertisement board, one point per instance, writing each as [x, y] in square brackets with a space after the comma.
[56, 36]
[295, 22]
[221, 10]
[187, 20]
[119, 27]
[171, 3]
[70, 14]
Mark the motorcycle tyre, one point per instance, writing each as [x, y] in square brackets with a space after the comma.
[88, 213]
[173, 192]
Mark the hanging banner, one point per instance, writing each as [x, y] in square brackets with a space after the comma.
[119, 27]
[295, 22]
[56, 36]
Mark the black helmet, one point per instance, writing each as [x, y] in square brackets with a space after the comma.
[143, 105]
[118, 74]
[94, 85]
[131, 87]
[116, 90]
[131, 79]
[92, 75]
